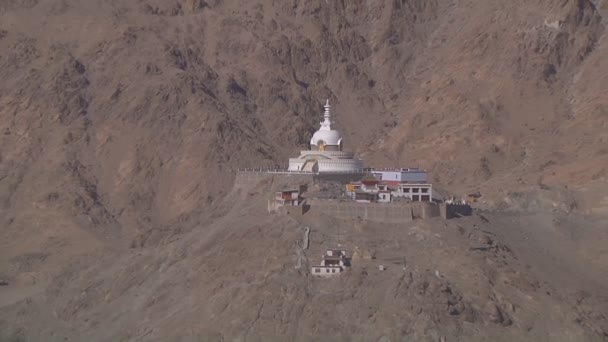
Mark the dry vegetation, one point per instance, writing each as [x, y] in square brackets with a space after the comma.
[122, 124]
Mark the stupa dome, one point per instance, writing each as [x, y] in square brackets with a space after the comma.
[330, 137]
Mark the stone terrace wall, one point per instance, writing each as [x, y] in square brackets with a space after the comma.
[449, 211]
[424, 210]
[373, 212]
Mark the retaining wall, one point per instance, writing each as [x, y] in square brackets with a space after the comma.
[424, 210]
[449, 211]
[373, 212]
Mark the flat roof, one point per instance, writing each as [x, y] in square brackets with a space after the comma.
[332, 257]
[360, 191]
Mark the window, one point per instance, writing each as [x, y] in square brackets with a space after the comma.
[416, 198]
[415, 190]
[317, 270]
[425, 190]
[333, 270]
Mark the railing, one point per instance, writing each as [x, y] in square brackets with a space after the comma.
[267, 168]
[335, 154]
[364, 170]
[402, 169]
[270, 170]
[285, 170]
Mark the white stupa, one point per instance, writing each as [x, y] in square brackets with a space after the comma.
[325, 154]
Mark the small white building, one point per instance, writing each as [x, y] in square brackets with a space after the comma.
[326, 270]
[288, 197]
[336, 252]
[332, 263]
[384, 196]
[416, 192]
[370, 191]
[401, 175]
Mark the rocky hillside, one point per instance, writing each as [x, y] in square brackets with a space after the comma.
[124, 121]
[244, 275]
[139, 112]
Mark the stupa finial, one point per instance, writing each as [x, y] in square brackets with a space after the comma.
[327, 115]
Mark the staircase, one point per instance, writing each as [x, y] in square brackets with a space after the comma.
[309, 166]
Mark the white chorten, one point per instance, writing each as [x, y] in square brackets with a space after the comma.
[325, 154]
[326, 136]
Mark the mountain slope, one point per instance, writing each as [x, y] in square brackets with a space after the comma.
[123, 123]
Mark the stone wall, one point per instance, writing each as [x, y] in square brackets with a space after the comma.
[449, 211]
[424, 210]
[373, 212]
[298, 210]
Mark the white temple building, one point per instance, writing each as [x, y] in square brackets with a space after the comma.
[326, 154]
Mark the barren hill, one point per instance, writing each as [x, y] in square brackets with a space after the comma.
[122, 124]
